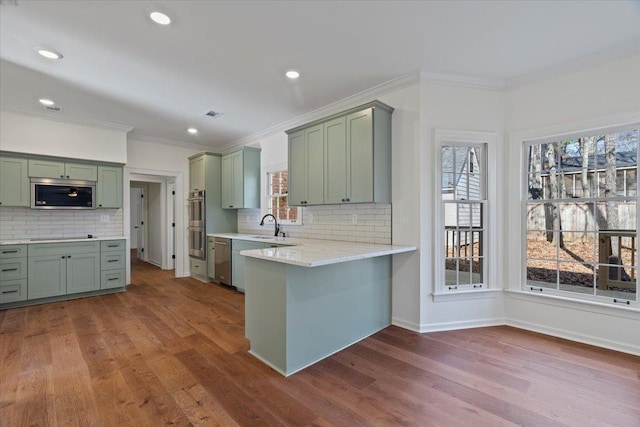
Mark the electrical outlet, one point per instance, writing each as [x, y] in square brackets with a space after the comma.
[354, 218]
[104, 218]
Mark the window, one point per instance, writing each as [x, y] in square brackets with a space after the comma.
[277, 196]
[463, 195]
[580, 216]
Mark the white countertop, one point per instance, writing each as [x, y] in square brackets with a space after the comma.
[313, 252]
[59, 240]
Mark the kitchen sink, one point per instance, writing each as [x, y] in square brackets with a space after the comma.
[263, 237]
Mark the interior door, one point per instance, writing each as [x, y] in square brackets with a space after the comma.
[137, 220]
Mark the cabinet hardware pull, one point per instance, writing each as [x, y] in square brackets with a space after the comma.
[63, 257]
[68, 256]
[112, 246]
[113, 278]
[112, 260]
[9, 269]
[15, 291]
[10, 252]
[343, 200]
[620, 301]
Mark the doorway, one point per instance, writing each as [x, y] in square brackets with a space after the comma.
[154, 222]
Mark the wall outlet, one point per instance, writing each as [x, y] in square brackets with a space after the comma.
[104, 218]
[354, 218]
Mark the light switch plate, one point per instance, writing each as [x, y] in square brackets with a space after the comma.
[104, 218]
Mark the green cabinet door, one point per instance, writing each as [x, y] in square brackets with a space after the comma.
[360, 156]
[227, 182]
[297, 169]
[14, 182]
[335, 152]
[80, 171]
[197, 173]
[83, 273]
[314, 139]
[47, 276]
[46, 168]
[237, 177]
[109, 187]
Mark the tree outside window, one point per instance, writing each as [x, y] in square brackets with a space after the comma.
[277, 199]
[580, 216]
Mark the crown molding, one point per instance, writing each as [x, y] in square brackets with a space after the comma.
[615, 54]
[354, 100]
[147, 138]
[464, 81]
[65, 118]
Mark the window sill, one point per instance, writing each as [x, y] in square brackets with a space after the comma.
[629, 312]
[466, 295]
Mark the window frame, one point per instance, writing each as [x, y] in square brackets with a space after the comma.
[487, 141]
[525, 202]
[280, 167]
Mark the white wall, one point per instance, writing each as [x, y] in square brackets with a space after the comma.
[597, 97]
[35, 135]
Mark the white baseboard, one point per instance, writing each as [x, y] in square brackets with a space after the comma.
[573, 336]
[447, 326]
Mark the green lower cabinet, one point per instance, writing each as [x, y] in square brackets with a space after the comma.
[13, 290]
[113, 264]
[83, 273]
[54, 275]
[113, 279]
[238, 265]
[47, 276]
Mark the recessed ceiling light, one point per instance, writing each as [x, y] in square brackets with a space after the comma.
[160, 18]
[192, 131]
[47, 102]
[292, 74]
[49, 53]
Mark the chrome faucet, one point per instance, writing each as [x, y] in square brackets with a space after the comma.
[276, 223]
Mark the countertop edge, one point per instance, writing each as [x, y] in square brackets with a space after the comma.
[34, 242]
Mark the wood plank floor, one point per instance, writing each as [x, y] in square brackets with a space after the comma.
[172, 352]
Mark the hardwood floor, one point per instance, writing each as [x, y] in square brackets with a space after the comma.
[172, 352]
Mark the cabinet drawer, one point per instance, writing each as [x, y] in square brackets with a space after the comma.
[112, 245]
[112, 260]
[13, 290]
[113, 279]
[198, 267]
[13, 251]
[63, 248]
[13, 268]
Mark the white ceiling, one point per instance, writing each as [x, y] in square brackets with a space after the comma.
[230, 56]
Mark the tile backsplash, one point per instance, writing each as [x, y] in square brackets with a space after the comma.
[371, 224]
[25, 223]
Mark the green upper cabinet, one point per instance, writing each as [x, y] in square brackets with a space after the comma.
[81, 171]
[109, 187]
[241, 179]
[306, 166]
[46, 168]
[197, 173]
[360, 179]
[65, 170]
[355, 157]
[14, 182]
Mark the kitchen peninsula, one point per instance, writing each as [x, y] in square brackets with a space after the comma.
[313, 298]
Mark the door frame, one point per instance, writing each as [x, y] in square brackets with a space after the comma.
[164, 178]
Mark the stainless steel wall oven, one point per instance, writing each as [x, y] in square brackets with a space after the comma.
[197, 225]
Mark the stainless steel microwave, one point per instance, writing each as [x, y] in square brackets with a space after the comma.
[49, 193]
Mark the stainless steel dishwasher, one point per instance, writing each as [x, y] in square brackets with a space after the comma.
[223, 260]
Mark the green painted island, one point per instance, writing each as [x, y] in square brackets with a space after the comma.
[304, 303]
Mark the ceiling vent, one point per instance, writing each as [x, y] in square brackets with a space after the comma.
[53, 108]
[213, 114]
